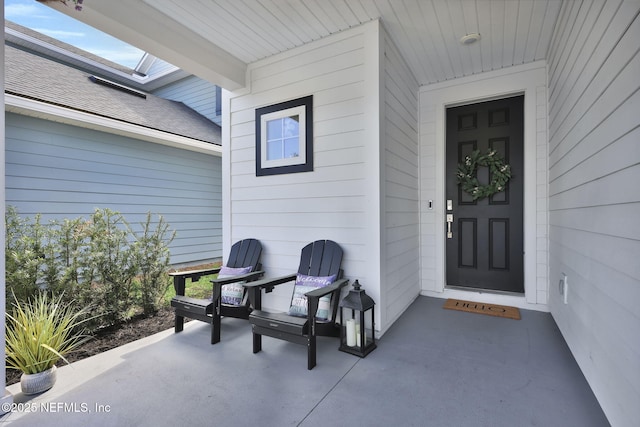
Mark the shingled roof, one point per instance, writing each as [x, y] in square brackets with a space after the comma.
[34, 77]
[46, 40]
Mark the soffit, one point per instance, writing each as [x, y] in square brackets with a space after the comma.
[215, 33]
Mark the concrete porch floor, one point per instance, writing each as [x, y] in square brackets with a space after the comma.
[434, 367]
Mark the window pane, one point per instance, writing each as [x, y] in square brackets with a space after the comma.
[291, 126]
[274, 129]
[291, 147]
[274, 150]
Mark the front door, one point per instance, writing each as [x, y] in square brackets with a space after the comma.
[484, 246]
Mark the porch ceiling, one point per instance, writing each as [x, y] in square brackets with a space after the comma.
[216, 39]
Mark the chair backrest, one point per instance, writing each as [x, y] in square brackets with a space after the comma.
[245, 253]
[321, 258]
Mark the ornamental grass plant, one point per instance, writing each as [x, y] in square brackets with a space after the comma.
[42, 331]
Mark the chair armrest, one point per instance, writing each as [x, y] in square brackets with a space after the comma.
[326, 290]
[269, 283]
[242, 277]
[179, 277]
[195, 274]
[254, 288]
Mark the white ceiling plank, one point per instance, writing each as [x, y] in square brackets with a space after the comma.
[422, 60]
[318, 11]
[216, 39]
[268, 10]
[537, 19]
[483, 10]
[333, 14]
[440, 54]
[497, 33]
[523, 25]
[361, 12]
[449, 39]
[371, 8]
[428, 49]
[509, 24]
[472, 25]
[255, 29]
[547, 29]
[458, 29]
[344, 10]
[289, 16]
[221, 24]
[314, 26]
[338, 21]
[211, 26]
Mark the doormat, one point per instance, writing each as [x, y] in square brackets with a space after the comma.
[483, 308]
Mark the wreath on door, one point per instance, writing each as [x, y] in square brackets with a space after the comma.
[499, 172]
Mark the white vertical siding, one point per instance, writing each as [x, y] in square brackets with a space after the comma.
[63, 171]
[339, 199]
[196, 93]
[401, 226]
[594, 203]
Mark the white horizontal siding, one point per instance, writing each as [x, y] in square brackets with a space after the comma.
[401, 238]
[594, 199]
[336, 200]
[196, 93]
[61, 171]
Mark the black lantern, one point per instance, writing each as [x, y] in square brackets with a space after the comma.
[357, 330]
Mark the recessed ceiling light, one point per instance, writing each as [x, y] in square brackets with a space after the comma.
[470, 38]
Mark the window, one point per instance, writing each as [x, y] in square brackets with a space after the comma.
[284, 137]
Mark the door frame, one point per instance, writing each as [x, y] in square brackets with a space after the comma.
[529, 80]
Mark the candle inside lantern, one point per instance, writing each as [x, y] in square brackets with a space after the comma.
[358, 335]
[351, 332]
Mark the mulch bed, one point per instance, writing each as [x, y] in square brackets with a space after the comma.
[134, 329]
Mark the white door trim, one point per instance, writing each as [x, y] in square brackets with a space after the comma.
[529, 80]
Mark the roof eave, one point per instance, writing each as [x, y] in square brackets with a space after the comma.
[47, 111]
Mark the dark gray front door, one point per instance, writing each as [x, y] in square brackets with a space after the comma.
[485, 247]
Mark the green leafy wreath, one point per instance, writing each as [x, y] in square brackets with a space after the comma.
[500, 174]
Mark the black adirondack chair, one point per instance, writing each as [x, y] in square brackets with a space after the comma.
[245, 253]
[320, 258]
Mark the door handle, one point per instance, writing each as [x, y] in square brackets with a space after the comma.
[449, 222]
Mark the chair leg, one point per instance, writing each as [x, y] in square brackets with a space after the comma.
[215, 325]
[179, 324]
[215, 330]
[311, 352]
[257, 343]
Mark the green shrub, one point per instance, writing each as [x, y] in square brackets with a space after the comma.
[100, 262]
[152, 250]
[110, 265]
[23, 254]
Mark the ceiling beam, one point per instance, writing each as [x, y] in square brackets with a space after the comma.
[142, 26]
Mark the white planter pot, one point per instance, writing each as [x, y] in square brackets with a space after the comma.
[37, 383]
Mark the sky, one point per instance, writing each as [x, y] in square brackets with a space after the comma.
[41, 18]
